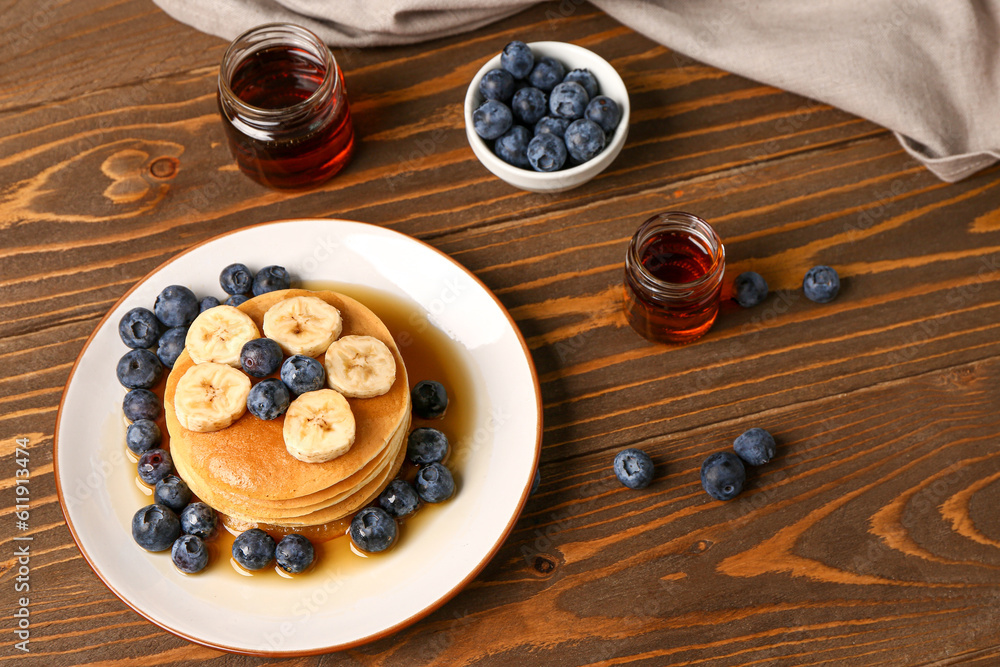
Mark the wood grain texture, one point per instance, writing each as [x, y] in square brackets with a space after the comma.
[871, 539]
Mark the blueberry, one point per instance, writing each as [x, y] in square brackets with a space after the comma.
[141, 404]
[399, 499]
[821, 284]
[634, 468]
[139, 328]
[605, 112]
[550, 125]
[198, 519]
[585, 79]
[176, 306]
[434, 483]
[517, 59]
[260, 357]
[253, 549]
[173, 492]
[189, 554]
[568, 100]
[373, 530]
[536, 481]
[271, 279]
[294, 553]
[546, 74]
[749, 289]
[529, 106]
[492, 119]
[154, 465]
[268, 399]
[723, 475]
[171, 345]
[236, 300]
[430, 400]
[426, 445]
[513, 145]
[584, 139]
[497, 84]
[301, 374]
[142, 435]
[755, 446]
[206, 303]
[139, 369]
[547, 152]
[155, 527]
[236, 279]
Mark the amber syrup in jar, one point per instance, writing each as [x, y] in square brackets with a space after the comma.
[284, 107]
[673, 278]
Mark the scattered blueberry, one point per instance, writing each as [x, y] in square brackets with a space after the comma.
[546, 152]
[171, 345]
[568, 100]
[373, 530]
[497, 84]
[268, 399]
[517, 59]
[430, 399]
[550, 125]
[155, 527]
[176, 306]
[512, 147]
[584, 139]
[173, 492]
[142, 435]
[585, 79]
[236, 279]
[253, 549]
[154, 465]
[189, 554]
[434, 483]
[634, 468]
[750, 289]
[605, 112]
[529, 106]
[492, 119]
[755, 446]
[260, 357]
[294, 553]
[141, 404]
[271, 279]
[426, 445]
[821, 284]
[198, 519]
[723, 475]
[301, 374]
[399, 499]
[139, 328]
[207, 302]
[236, 300]
[139, 369]
[546, 74]
[536, 482]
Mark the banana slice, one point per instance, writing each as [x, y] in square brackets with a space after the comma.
[360, 366]
[319, 426]
[210, 396]
[218, 335]
[303, 325]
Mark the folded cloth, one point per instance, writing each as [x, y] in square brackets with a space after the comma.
[927, 70]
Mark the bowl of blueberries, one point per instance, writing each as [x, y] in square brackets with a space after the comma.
[546, 116]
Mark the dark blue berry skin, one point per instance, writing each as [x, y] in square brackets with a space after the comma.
[154, 465]
[268, 399]
[294, 553]
[155, 527]
[236, 279]
[430, 399]
[189, 553]
[529, 106]
[536, 482]
[206, 303]
[253, 549]
[260, 357]
[236, 300]
[512, 147]
[749, 289]
[271, 279]
[171, 345]
[634, 468]
[584, 139]
[141, 404]
[550, 125]
[492, 119]
[176, 306]
[434, 483]
[568, 100]
[517, 59]
[198, 519]
[139, 328]
[142, 435]
[755, 446]
[723, 475]
[821, 284]
[497, 84]
[605, 112]
[301, 374]
[399, 499]
[546, 74]
[173, 492]
[373, 530]
[426, 445]
[586, 79]
[547, 152]
[139, 369]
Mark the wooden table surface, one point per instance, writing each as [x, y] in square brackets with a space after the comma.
[872, 538]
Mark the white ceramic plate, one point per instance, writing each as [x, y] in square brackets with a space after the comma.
[269, 615]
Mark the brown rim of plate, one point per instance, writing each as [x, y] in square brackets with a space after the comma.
[434, 606]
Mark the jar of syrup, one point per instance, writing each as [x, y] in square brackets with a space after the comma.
[673, 277]
[284, 107]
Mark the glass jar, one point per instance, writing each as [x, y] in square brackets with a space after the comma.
[284, 107]
[673, 277]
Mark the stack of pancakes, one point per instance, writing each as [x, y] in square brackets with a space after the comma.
[244, 470]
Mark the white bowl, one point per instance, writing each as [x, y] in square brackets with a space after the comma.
[572, 57]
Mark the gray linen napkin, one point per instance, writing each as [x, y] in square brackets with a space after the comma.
[929, 70]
